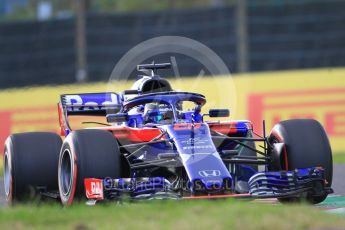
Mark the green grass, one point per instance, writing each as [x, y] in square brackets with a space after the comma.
[201, 214]
[339, 158]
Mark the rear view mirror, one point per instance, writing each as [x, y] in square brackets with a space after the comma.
[219, 113]
[117, 117]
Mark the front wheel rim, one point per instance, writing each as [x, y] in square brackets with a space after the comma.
[7, 175]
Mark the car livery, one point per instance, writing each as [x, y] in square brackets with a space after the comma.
[156, 143]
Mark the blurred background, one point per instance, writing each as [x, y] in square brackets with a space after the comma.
[286, 56]
[64, 41]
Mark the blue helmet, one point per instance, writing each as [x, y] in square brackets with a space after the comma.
[152, 113]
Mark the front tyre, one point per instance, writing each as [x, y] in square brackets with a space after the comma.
[305, 145]
[86, 154]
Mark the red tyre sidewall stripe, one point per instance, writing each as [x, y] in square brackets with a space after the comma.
[279, 137]
[68, 145]
[75, 169]
[8, 143]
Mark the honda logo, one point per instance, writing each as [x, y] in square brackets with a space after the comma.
[209, 173]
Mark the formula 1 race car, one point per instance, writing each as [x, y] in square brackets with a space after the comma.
[157, 144]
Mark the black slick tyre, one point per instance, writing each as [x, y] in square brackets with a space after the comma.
[84, 154]
[305, 145]
[30, 162]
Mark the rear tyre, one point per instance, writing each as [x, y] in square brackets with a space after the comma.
[30, 161]
[305, 145]
[86, 154]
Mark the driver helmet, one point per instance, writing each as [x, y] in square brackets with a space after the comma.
[152, 113]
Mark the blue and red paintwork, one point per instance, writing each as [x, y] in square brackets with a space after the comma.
[192, 139]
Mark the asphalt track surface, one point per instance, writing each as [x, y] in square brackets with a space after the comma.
[335, 202]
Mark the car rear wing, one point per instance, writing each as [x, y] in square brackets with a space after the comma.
[89, 104]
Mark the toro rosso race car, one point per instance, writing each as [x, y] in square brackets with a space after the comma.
[157, 143]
